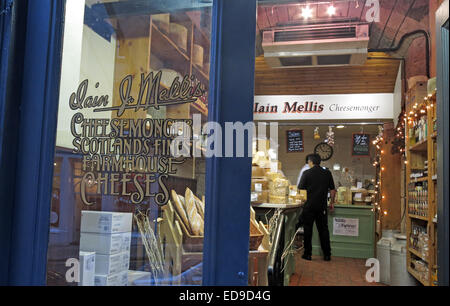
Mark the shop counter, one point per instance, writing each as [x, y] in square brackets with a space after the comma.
[352, 232]
[280, 269]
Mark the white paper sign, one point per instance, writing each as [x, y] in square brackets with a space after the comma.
[324, 107]
[345, 227]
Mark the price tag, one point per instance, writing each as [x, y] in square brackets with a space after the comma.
[254, 197]
[274, 166]
[258, 187]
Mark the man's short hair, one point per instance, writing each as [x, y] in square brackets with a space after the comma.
[314, 158]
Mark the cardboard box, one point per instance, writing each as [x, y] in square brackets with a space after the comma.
[112, 264]
[105, 243]
[104, 222]
[87, 268]
[118, 279]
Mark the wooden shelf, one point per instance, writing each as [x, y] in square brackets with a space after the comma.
[418, 254]
[417, 154]
[420, 179]
[420, 146]
[199, 109]
[418, 217]
[201, 73]
[166, 50]
[416, 276]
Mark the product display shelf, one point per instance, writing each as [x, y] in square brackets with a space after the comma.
[418, 217]
[420, 179]
[418, 254]
[421, 155]
[420, 146]
[417, 276]
[175, 57]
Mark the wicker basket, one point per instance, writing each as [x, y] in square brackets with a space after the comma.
[256, 237]
[193, 243]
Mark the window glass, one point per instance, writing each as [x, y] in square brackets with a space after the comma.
[128, 191]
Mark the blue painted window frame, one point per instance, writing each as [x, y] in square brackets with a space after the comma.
[228, 179]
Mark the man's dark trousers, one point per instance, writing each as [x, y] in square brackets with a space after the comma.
[320, 217]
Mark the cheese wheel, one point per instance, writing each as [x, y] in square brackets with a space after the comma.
[258, 172]
[195, 220]
[197, 56]
[179, 207]
[278, 199]
[279, 192]
[162, 21]
[179, 35]
[279, 182]
[259, 185]
[273, 175]
[303, 195]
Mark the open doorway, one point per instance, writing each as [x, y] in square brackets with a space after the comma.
[330, 74]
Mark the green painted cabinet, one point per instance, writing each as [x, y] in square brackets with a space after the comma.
[354, 235]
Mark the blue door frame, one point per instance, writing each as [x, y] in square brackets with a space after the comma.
[12, 41]
[442, 47]
[228, 179]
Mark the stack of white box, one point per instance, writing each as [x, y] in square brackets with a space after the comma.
[108, 234]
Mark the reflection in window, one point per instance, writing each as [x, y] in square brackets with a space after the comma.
[122, 204]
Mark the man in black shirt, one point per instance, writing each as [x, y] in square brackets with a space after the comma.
[318, 182]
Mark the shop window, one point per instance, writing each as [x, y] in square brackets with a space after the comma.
[128, 193]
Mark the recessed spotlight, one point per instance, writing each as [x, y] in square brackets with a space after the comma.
[307, 12]
[331, 10]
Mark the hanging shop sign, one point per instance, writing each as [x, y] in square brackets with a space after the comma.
[124, 156]
[345, 227]
[324, 107]
[295, 141]
[360, 144]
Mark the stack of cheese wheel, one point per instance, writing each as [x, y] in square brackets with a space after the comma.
[278, 188]
[198, 55]
[179, 35]
[191, 211]
[162, 22]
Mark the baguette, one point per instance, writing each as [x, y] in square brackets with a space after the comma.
[179, 206]
[195, 220]
[200, 207]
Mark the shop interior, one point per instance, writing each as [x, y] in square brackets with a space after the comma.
[391, 192]
[386, 184]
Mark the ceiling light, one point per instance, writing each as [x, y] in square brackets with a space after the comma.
[307, 12]
[340, 127]
[331, 10]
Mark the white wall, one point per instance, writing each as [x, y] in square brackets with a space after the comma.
[86, 55]
[398, 94]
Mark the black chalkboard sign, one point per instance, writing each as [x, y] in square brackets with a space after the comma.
[361, 144]
[295, 141]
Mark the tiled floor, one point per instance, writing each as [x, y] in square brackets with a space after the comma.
[337, 272]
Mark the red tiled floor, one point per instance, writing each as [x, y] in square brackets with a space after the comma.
[337, 272]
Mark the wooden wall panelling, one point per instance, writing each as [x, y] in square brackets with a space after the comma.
[390, 181]
[376, 76]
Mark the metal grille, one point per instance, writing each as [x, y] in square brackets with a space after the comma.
[315, 34]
